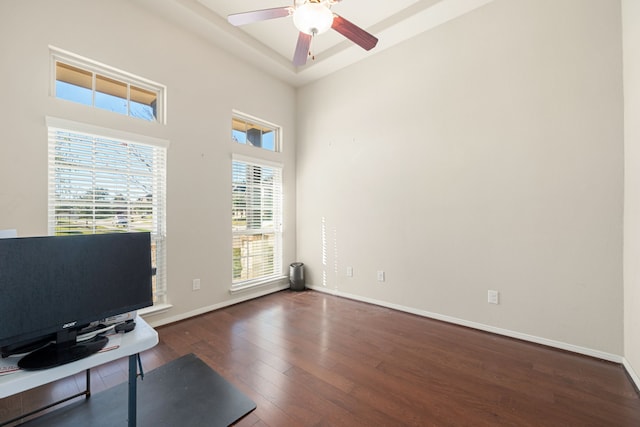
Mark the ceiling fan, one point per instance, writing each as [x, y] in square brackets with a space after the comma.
[311, 17]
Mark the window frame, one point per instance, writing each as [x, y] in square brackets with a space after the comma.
[158, 178]
[97, 68]
[262, 124]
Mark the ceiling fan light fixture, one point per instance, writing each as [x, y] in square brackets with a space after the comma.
[313, 18]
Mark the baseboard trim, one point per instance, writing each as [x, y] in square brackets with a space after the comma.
[632, 374]
[487, 328]
[245, 297]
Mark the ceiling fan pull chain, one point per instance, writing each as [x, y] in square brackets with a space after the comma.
[311, 55]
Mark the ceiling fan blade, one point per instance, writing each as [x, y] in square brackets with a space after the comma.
[302, 49]
[259, 15]
[354, 33]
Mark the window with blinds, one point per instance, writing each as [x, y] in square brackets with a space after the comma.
[256, 222]
[104, 181]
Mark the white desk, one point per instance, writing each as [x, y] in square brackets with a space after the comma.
[143, 337]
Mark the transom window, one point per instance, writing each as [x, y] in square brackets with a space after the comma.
[102, 181]
[90, 83]
[254, 132]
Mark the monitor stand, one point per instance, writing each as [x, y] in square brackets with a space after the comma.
[56, 354]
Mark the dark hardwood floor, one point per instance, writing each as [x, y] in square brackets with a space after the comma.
[311, 359]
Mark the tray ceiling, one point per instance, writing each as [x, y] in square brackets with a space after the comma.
[269, 45]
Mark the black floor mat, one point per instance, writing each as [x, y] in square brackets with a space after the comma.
[184, 393]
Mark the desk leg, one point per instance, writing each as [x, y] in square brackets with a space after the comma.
[88, 388]
[86, 394]
[133, 377]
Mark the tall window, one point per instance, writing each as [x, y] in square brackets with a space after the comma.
[104, 181]
[90, 83]
[256, 222]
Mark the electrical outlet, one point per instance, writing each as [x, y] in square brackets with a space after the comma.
[349, 271]
[380, 276]
[196, 284]
[493, 297]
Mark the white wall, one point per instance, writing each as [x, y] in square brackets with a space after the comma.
[484, 154]
[204, 84]
[631, 34]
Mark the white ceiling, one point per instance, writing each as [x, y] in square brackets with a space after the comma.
[270, 44]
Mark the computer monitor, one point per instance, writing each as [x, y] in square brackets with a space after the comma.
[53, 286]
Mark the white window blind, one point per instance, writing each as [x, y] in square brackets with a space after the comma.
[256, 222]
[107, 184]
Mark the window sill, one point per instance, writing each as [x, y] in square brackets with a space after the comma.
[251, 286]
[154, 309]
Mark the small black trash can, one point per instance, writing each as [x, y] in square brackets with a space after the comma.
[296, 276]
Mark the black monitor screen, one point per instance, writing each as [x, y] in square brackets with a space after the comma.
[49, 284]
